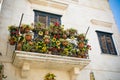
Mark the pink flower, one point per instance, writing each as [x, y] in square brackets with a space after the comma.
[89, 47]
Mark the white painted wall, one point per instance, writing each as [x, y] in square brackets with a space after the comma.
[78, 16]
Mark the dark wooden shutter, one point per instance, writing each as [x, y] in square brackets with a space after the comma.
[106, 43]
[103, 44]
[110, 45]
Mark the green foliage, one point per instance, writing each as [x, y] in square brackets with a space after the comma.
[56, 41]
[49, 76]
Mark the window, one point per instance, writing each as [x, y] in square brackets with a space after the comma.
[46, 18]
[106, 43]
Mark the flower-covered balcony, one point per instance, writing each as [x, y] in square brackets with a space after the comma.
[37, 46]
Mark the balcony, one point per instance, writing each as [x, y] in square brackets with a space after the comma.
[27, 60]
[49, 48]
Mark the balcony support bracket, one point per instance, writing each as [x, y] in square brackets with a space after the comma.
[25, 70]
[74, 73]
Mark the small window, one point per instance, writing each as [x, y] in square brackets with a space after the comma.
[106, 43]
[46, 18]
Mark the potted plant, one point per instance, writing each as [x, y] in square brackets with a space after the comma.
[65, 42]
[13, 30]
[13, 40]
[81, 44]
[46, 39]
[72, 32]
[27, 46]
[81, 37]
[25, 28]
[41, 47]
[49, 76]
[46, 31]
[20, 42]
[28, 36]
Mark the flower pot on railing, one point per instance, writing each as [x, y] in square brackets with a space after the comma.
[22, 30]
[28, 37]
[19, 46]
[46, 39]
[81, 45]
[81, 37]
[65, 43]
[64, 36]
[46, 32]
[12, 40]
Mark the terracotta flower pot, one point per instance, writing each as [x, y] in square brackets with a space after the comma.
[46, 32]
[28, 37]
[19, 46]
[47, 40]
[27, 30]
[81, 45]
[65, 43]
[81, 38]
[21, 30]
[64, 36]
[12, 42]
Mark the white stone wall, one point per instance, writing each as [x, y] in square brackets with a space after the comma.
[1, 1]
[78, 16]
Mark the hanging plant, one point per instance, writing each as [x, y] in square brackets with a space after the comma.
[1, 72]
[49, 76]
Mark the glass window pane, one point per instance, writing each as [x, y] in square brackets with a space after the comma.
[43, 20]
[103, 44]
[53, 20]
[46, 18]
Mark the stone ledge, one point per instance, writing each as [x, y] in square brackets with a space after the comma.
[35, 58]
[101, 23]
[28, 60]
[51, 3]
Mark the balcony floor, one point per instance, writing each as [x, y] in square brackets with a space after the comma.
[48, 61]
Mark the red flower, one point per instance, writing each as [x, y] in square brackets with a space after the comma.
[58, 36]
[56, 24]
[55, 36]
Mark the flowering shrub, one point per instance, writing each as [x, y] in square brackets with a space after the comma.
[52, 40]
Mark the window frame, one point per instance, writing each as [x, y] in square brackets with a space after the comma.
[106, 34]
[48, 15]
